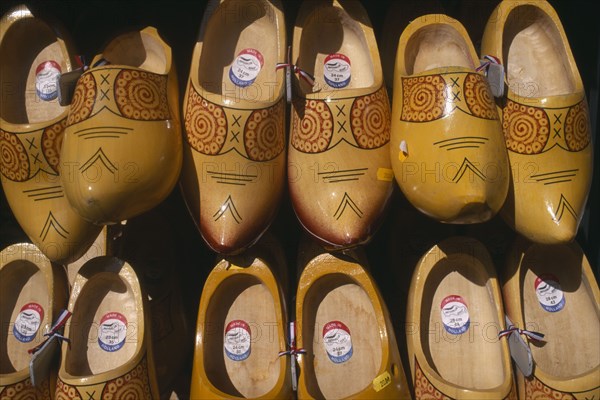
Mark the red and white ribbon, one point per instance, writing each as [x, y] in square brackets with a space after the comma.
[530, 334]
[54, 331]
[486, 64]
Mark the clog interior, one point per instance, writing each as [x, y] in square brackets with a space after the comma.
[27, 45]
[337, 297]
[436, 46]
[138, 49]
[21, 283]
[235, 26]
[243, 298]
[105, 294]
[536, 59]
[330, 30]
[572, 334]
[462, 359]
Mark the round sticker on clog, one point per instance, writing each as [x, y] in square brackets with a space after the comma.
[46, 80]
[246, 67]
[455, 315]
[338, 71]
[112, 331]
[237, 340]
[28, 322]
[337, 341]
[549, 293]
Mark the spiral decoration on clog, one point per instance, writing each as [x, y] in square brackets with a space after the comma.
[424, 99]
[66, 392]
[537, 390]
[424, 390]
[133, 385]
[24, 390]
[479, 98]
[313, 132]
[83, 100]
[526, 129]
[371, 120]
[52, 141]
[577, 127]
[264, 133]
[205, 125]
[15, 161]
[142, 95]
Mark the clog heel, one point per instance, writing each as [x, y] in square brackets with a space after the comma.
[110, 351]
[234, 109]
[339, 172]
[32, 124]
[32, 293]
[122, 149]
[546, 121]
[344, 327]
[454, 316]
[447, 148]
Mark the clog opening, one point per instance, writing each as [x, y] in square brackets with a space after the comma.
[334, 49]
[341, 335]
[32, 58]
[24, 311]
[459, 324]
[106, 328]
[536, 59]
[436, 46]
[241, 339]
[138, 49]
[241, 48]
[558, 301]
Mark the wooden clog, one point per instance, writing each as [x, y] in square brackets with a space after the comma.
[339, 172]
[546, 121]
[32, 293]
[344, 326]
[121, 153]
[32, 123]
[447, 148]
[241, 328]
[454, 316]
[551, 289]
[110, 352]
[234, 110]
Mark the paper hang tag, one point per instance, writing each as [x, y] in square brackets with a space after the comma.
[520, 351]
[66, 86]
[288, 83]
[42, 361]
[495, 77]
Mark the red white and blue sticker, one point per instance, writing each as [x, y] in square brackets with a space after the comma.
[46, 80]
[28, 322]
[237, 340]
[112, 332]
[337, 341]
[337, 70]
[549, 293]
[455, 315]
[246, 67]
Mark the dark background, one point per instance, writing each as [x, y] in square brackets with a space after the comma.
[177, 249]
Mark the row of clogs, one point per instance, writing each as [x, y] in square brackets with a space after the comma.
[115, 151]
[343, 343]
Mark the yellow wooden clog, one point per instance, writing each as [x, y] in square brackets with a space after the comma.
[454, 316]
[551, 289]
[110, 351]
[122, 151]
[545, 118]
[344, 326]
[32, 293]
[446, 148]
[242, 327]
[32, 124]
[339, 172]
[234, 110]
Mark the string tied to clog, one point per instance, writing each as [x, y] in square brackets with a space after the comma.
[55, 331]
[529, 334]
[290, 68]
[494, 72]
[293, 352]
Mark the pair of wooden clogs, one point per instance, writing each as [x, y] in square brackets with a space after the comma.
[341, 344]
[458, 340]
[109, 354]
[111, 152]
[338, 168]
[448, 134]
